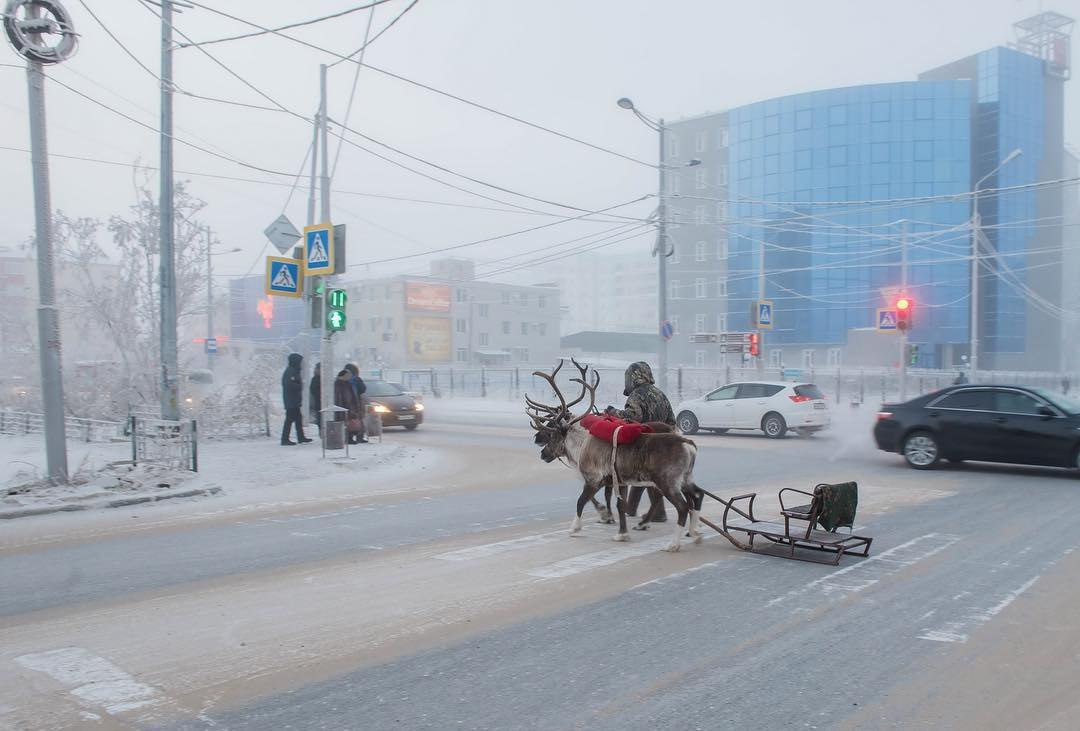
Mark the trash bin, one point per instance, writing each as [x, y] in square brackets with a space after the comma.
[333, 431]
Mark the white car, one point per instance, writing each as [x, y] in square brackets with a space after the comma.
[771, 406]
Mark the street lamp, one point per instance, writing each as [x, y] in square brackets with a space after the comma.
[976, 224]
[210, 253]
[661, 252]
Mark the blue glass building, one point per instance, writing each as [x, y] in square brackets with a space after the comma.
[832, 187]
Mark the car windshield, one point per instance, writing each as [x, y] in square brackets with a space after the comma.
[381, 388]
[1066, 404]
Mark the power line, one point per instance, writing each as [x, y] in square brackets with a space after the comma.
[388, 26]
[118, 42]
[300, 24]
[352, 91]
[432, 89]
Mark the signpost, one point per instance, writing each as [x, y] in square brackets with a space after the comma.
[729, 342]
[284, 277]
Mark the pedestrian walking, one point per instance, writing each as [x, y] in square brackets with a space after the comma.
[1065, 385]
[361, 388]
[644, 402]
[292, 395]
[345, 397]
[315, 397]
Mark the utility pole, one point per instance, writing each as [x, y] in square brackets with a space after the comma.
[26, 23]
[757, 309]
[170, 376]
[661, 256]
[903, 293]
[312, 342]
[327, 372]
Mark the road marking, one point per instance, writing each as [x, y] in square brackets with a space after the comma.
[870, 571]
[598, 559]
[92, 678]
[485, 550]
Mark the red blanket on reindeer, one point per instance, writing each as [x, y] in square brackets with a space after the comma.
[603, 426]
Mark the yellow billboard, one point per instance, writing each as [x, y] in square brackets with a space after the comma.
[428, 339]
[428, 297]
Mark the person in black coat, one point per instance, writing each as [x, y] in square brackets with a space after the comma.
[360, 388]
[345, 397]
[315, 396]
[292, 395]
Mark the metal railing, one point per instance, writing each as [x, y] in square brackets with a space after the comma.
[77, 428]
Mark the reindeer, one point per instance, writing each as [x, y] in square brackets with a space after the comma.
[541, 439]
[664, 459]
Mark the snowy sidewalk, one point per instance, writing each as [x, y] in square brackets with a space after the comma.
[243, 469]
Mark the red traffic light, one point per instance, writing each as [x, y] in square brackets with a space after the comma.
[905, 308]
[755, 344]
[903, 303]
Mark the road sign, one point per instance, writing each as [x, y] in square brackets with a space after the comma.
[704, 338]
[282, 233]
[667, 330]
[319, 249]
[765, 314]
[283, 277]
[886, 320]
[211, 346]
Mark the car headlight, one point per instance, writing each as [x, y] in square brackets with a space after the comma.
[418, 407]
[380, 409]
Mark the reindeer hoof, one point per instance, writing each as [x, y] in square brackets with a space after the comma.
[605, 517]
[606, 521]
[621, 537]
[697, 538]
[673, 548]
[641, 526]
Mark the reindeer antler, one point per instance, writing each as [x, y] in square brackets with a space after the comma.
[592, 395]
[583, 370]
[554, 386]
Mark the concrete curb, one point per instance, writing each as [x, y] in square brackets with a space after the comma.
[117, 503]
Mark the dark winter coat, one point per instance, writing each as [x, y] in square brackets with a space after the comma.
[292, 383]
[644, 402]
[357, 382]
[315, 392]
[345, 397]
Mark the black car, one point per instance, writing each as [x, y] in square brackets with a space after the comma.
[1013, 424]
[394, 406]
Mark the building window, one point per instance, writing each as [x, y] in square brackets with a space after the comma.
[389, 323]
[721, 175]
[522, 354]
[721, 249]
[371, 294]
[673, 183]
[484, 310]
[699, 322]
[524, 328]
[701, 141]
[804, 119]
[387, 293]
[506, 327]
[699, 251]
[837, 115]
[541, 328]
[374, 323]
[674, 320]
[541, 301]
[506, 298]
[673, 291]
[722, 138]
[699, 215]
[721, 288]
[700, 289]
[483, 338]
[523, 299]
[776, 358]
[702, 179]
[808, 358]
[721, 211]
[834, 357]
[461, 295]
[459, 325]
[672, 145]
[721, 322]
[699, 358]
[462, 355]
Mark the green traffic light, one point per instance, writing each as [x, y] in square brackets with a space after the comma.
[338, 297]
[335, 320]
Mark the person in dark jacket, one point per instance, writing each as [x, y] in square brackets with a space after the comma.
[345, 397]
[360, 387]
[292, 395]
[315, 396]
[644, 402]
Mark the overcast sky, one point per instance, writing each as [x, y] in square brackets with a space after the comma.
[559, 63]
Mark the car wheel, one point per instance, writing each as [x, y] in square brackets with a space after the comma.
[774, 425]
[411, 427]
[687, 422]
[921, 450]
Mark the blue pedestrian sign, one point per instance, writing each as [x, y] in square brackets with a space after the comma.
[886, 320]
[764, 314]
[283, 277]
[211, 346]
[667, 330]
[319, 249]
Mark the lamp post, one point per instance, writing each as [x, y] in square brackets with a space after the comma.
[661, 251]
[976, 225]
[210, 253]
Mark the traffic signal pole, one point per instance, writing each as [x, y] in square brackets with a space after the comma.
[328, 372]
[903, 293]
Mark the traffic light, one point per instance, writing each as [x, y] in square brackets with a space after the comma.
[335, 310]
[913, 355]
[904, 307]
[755, 344]
[318, 289]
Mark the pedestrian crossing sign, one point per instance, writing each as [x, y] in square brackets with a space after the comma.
[886, 320]
[764, 314]
[283, 277]
[319, 249]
